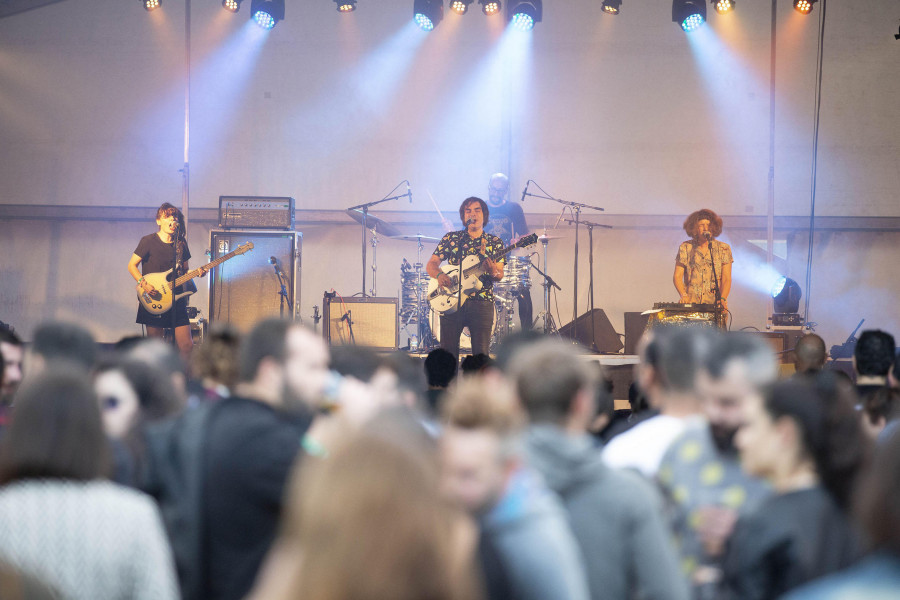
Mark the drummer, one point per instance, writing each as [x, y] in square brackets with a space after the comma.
[508, 223]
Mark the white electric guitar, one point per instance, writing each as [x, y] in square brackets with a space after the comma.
[445, 300]
[160, 300]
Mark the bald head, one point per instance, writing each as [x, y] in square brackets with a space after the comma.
[809, 354]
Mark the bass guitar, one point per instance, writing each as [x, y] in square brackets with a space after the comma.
[445, 300]
[166, 291]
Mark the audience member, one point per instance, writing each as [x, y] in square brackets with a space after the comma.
[894, 375]
[878, 409]
[873, 357]
[60, 341]
[522, 520]
[700, 474]
[215, 361]
[166, 358]
[11, 352]
[366, 523]
[805, 438]
[475, 364]
[810, 354]
[440, 369]
[670, 358]
[877, 577]
[558, 389]
[87, 538]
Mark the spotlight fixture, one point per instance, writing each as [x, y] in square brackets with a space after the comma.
[723, 6]
[611, 7]
[523, 14]
[150, 4]
[428, 13]
[689, 14]
[490, 7]
[345, 6]
[231, 5]
[786, 294]
[460, 7]
[804, 7]
[267, 13]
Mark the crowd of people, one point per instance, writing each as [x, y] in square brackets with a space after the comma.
[275, 467]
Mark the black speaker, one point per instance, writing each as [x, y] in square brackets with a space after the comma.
[246, 289]
[635, 324]
[373, 321]
[603, 337]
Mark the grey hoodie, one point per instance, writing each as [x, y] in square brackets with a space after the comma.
[616, 517]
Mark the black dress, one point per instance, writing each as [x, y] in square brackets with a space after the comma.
[156, 257]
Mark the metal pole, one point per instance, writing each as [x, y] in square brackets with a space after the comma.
[185, 172]
[770, 206]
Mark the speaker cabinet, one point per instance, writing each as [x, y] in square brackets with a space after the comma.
[245, 289]
[635, 324]
[603, 337]
[373, 321]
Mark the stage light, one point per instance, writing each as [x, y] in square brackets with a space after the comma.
[345, 6]
[804, 7]
[460, 7]
[523, 14]
[611, 7]
[231, 5]
[723, 6]
[150, 4]
[689, 14]
[786, 294]
[490, 7]
[267, 13]
[428, 13]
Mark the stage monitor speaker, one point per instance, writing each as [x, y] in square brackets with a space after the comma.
[635, 324]
[374, 322]
[245, 289]
[604, 338]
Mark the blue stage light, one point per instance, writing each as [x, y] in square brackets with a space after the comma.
[428, 13]
[689, 14]
[523, 14]
[522, 22]
[267, 13]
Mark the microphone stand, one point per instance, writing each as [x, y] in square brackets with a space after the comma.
[365, 213]
[176, 247]
[549, 325]
[283, 292]
[347, 317]
[575, 207]
[590, 225]
[718, 310]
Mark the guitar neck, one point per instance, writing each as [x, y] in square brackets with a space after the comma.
[492, 256]
[200, 270]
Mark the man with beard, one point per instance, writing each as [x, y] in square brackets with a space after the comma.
[701, 475]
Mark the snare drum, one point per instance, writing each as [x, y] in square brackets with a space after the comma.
[516, 276]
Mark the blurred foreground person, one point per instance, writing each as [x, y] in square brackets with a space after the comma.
[805, 438]
[521, 520]
[368, 523]
[877, 577]
[215, 361]
[61, 342]
[616, 516]
[88, 538]
[701, 475]
[11, 353]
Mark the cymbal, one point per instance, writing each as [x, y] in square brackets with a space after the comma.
[550, 237]
[372, 222]
[415, 238]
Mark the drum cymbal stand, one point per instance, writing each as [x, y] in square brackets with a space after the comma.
[423, 328]
[546, 315]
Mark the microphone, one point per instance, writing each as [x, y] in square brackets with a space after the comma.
[708, 236]
[470, 222]
[408, 192]
[525, 191]
[346, 316]
[273, 260]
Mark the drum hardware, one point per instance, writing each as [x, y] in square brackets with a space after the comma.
[547, 317]
[414, 285]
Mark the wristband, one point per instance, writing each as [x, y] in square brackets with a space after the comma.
[141, 280]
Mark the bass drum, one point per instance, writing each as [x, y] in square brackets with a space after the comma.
[465, 340]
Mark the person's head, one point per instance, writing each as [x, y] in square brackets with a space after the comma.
[131, 393]
[805, 424]
[215, 361]
[474, 208]
[479, 448]
[407, 377]
[671, 358]
[284, 363]
[440, 368]
[389, 534]
[498, 189]
[874, 354]
[737, 369]
[556, 385]
[878, 408]
[894, 375]
[56, 431]
[56, 341]
[511, 344]
[163, 357]
[170, 219]
[701, 222]
[11, 354]
[475, 364]
[876, 504]
[810, 353]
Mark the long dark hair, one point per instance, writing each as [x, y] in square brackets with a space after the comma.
[822, 406]
[55, 431]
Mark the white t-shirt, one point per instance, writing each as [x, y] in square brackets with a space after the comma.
[643, 446]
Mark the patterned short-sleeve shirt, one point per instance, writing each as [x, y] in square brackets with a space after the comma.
[698, 267]
[448, 249]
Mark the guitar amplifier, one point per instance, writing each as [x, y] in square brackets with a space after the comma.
[374, 322]
[256, 212]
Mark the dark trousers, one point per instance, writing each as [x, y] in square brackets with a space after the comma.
[526, 312]
[478, 316]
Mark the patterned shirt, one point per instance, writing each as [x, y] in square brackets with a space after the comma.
[701, 286]
[448, 249]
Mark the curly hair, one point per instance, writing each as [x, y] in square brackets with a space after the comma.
[484, 208]
[715, 222]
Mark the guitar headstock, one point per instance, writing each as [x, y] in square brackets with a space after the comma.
[528, 240]
[244, 248]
